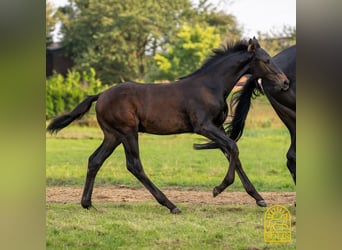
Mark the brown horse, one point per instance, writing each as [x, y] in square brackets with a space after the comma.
[194, 104]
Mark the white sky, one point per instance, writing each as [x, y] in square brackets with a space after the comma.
[252, 15]
[260, 15]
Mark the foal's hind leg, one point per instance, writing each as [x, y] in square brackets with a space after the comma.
[94, 164]
[135, 167]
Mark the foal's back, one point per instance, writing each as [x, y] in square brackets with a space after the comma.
[152, 108]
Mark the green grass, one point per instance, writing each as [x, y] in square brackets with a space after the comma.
[144, 225]
[171, 161]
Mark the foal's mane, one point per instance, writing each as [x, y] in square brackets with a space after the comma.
[219, 53]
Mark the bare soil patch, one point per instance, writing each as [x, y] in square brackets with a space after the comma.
[124, 194]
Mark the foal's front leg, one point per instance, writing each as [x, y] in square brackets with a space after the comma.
[250, 189]
[230, 150]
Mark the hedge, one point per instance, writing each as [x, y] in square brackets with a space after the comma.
[63, 94]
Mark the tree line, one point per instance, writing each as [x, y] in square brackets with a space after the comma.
[146, 40]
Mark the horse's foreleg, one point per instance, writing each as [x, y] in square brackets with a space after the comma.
[94, 164]
[229, 149]
[208, 145]
[291, 159]
[250, 189]
[135, 167]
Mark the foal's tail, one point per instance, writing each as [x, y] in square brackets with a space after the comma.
[64, 120]
[242, 100]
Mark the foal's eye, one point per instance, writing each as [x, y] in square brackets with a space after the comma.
[267, 61]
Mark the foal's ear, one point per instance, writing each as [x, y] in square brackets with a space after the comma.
[256, 42]
[253, 44]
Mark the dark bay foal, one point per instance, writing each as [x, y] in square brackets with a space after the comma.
[193, 104]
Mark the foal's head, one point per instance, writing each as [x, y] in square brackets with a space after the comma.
[262, 66]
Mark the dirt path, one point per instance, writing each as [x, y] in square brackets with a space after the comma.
[124, 194]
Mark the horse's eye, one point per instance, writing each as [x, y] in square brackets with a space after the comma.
[268, 61]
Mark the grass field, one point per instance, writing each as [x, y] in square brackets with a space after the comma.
[170, 162]
[144, 225]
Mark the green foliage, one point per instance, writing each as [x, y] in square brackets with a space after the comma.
[113, 36]
[63, 94]
[191, 48]
[120, 37]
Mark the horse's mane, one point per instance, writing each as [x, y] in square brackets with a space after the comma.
[219, 53]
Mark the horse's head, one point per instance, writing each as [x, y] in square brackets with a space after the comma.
[262, 66]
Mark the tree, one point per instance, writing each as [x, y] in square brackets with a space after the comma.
[50, 23]
[113, 36]
[187, 54]
[275, 42]
[225, 24]
[119, 38]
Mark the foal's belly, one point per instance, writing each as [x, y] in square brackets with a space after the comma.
[165, 123]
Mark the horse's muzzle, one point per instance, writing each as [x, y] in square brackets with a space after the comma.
[286, 85]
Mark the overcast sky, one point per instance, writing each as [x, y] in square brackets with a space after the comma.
[252, 15]
[260, 15]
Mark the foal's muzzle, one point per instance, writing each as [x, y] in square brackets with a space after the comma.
[283, 82]
[286, 85]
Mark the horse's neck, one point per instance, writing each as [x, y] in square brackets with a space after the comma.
[229, 72]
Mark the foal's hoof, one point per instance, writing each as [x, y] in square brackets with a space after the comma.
[86, 205]
[216, 191]
[261, 203]
[176, 210]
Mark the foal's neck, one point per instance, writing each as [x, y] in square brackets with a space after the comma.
[230, 70]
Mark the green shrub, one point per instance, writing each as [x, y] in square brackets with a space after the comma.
[63, 94]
